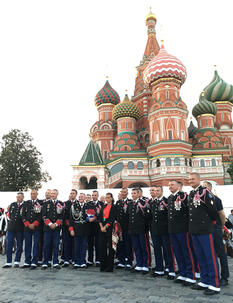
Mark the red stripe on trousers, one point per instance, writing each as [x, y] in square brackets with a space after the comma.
[190, 255]
[172, 253]
[214, 260]
[195, 255]
[148, 249]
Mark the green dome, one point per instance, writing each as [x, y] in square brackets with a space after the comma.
[126, 109]
[204, 107]
[218, 90]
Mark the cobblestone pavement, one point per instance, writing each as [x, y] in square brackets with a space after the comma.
[91, 286]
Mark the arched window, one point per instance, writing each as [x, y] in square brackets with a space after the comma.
[186, 162]
[147, 138]
[190, 162]
[168, 162]
[177, 162]
[167, 94]
[140, 165]
[130, 165]
[202, 163]
[105, 154]
[116, 168]
[158, 164]
[213, 161]
[170, 135]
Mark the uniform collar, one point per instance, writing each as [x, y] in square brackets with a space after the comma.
[173, 194]
[195, 189]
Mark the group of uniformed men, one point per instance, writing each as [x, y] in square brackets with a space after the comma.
[181, 227]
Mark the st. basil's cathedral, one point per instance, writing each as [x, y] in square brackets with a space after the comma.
[146, 141]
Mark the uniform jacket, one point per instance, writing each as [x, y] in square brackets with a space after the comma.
[121, 215]
[178, 213]
[138, 212]
[67, 207]
[32, 213]
[202, 211]
[15, 223]
[78, 220]
[158, 216]
[93, 209]
[52, 212]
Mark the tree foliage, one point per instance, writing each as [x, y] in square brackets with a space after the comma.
[20, 163]
[230, 171]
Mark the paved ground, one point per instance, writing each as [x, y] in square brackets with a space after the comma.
[91, 286]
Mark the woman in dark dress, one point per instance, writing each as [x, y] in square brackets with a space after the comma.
[107, 218]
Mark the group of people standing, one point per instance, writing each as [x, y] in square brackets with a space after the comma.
[183, 227]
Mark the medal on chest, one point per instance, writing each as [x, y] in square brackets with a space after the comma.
[198, 198]
[59, 208]
[37, 208]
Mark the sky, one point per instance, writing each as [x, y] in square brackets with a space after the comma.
[55, 56]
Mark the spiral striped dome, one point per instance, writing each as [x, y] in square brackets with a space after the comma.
[204, 107]
[126, 109]
[164, 66]
[107, 95]
[219, 90]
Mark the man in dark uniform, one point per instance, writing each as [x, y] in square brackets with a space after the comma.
[79, 229]
[202, 214]
[149, 258]
[138, 212]
[32, 216]
[68, 240]
[41, 233]
[52, 214]
[15, 231]
[218, 236]
[159, 233]
[124, 248]
[178, 231]
[93, 208]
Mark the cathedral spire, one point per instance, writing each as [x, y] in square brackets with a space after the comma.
[152, 46]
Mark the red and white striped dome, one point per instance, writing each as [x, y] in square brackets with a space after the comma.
[164, 66]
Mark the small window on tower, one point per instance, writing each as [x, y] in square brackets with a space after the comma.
[106, 116]
[222, 116]
[170, 135]
[126, 125]
[167, 94]
[105, 155]
[182, 135]
[206, 122]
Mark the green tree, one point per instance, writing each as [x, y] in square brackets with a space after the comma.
[230, 171]
[20, 163]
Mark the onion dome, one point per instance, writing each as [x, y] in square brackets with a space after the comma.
[164, 66]
[150, 16]
[204, 107]
[192, 129]
[126, 109]
[107, 95]
[219, 90]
